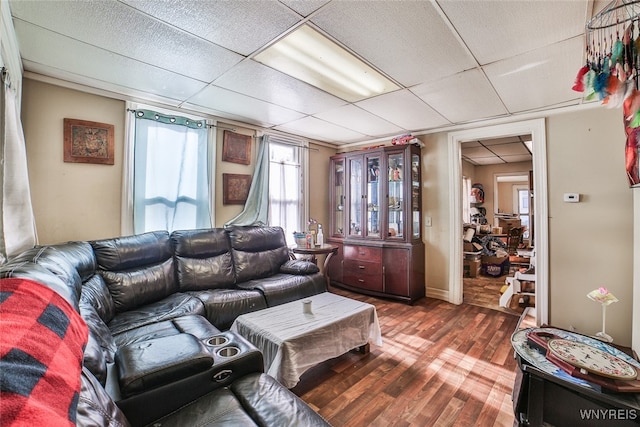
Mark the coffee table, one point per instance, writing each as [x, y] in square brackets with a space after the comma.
[292, 341]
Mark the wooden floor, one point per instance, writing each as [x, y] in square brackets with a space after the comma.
[485, 292]
[440, 365]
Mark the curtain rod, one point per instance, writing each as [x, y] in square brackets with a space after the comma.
[207, 125]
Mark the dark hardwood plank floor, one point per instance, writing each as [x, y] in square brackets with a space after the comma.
[440, 365]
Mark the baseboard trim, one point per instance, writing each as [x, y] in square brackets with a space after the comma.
[442, 294]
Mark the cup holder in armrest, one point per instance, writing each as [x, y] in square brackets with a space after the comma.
[217, 341]
[228, 351]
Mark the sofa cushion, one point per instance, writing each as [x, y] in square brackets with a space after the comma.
[122, 253]
[136, 287]
[57, 263]
[81, 256]
[224, 305]
[299, 266]
[218, 408]
[203, 259]
[194, 325]
[271, 404]
[257, 251]
[160, 361]
[137, 269]
[99, 331]
[282, 288]
[173, 306]
[31, 271]
[95, 406]
[96, 293]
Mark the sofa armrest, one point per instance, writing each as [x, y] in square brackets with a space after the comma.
[227, 367]
[299, 266]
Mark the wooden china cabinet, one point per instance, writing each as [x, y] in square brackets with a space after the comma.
[376, 222]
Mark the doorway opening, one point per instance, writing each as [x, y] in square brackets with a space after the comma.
[539, 222]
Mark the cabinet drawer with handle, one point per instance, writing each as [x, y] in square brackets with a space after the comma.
[364, 253]
[363, 274]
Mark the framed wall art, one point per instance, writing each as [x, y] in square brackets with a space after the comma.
[236, 148]
[235, 188]
[88, 142]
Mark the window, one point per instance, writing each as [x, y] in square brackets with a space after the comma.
[522, 207]
[286, 186]
[466, 199]
[170, 172]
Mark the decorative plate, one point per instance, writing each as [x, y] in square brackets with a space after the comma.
[591, 359]
[537, 359]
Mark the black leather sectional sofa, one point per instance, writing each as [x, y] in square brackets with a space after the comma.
[158, 307]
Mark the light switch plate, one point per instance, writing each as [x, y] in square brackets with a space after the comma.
[427, 221]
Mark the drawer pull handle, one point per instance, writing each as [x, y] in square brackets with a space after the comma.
[361, 267]
[361, 280]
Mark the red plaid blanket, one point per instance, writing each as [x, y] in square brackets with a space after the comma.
[42, 339]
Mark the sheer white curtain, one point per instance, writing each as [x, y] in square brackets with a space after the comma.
[256, 208]
[18, 231]
[170, 174]
[285, 188]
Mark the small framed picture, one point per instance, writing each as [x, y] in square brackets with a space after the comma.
[236, 148]
[235, 188]
[88, 142]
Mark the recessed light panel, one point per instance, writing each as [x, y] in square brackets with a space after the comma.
[307, 55]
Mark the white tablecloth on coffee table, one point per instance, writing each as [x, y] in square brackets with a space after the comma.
[292, 341]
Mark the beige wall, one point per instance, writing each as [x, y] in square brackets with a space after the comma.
[71, 201]
[77, 201]
[590, 243]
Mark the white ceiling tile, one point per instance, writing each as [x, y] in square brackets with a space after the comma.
[314, 128]
[54, 50]
[523, 25]
[240, 26]
[359, 120]
[483, 161]
[237, 104]
[509, 149]
[407, 40]
[462, 97]
[305, 7]
[117, 28]
[541, 77]
[506, 140]
[259, 81]
[476, 152]
[404, 109]
[517, 158]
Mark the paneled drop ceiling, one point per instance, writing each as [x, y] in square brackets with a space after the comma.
[498, 150]
[455, 61]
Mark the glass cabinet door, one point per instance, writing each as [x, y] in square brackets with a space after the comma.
[355, 196]
[373, 196]
[416, 218]
[395, 213]
[339, 195]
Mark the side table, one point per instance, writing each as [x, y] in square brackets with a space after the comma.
[325, 249]
[546, 396]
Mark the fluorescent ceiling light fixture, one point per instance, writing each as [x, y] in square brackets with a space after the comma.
[307, 55]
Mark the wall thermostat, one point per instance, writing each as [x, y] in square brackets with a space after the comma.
[572, 197]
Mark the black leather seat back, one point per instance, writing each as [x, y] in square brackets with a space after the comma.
[137, 269]
[203, 259]
[257, 251]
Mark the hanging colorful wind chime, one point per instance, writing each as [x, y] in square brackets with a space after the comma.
[611, 72]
